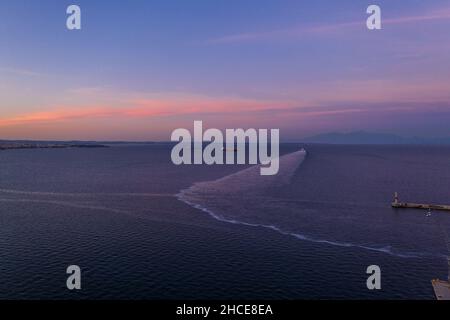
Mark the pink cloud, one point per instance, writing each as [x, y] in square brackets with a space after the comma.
[144, 108]
[55, 115]
[299, 31]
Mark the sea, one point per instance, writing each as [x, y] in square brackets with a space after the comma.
[140, 227]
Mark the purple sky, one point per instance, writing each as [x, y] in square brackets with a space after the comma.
[139, 69]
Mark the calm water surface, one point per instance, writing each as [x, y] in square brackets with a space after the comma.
[142, 228]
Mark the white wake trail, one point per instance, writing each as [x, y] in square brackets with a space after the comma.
[71, 194]
[248, 181]
[249, 184]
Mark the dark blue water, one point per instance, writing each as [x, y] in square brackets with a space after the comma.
[141, 228]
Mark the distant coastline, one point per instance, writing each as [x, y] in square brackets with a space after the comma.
[337, 138]
[13, 145]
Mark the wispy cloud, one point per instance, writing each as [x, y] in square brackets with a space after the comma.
[145, 107]
[59, 114]
[157, 109]
[346, 95]
[298, 31]
[21, 72]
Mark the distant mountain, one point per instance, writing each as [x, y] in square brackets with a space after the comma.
[362, 137]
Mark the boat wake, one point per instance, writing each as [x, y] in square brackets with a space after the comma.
[241, 199]
[69, 194]
[249, 181]
[384, 249]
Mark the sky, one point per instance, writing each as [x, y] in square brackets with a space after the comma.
[139, 69]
